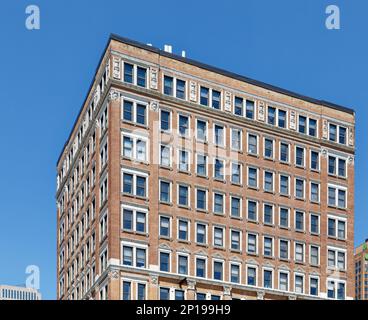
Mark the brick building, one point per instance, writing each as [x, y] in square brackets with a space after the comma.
[361, 271]
[180, 180]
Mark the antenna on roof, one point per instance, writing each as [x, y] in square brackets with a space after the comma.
[168, 48]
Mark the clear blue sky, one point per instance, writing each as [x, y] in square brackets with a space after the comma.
[45, 75]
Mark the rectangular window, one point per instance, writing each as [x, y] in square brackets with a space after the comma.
[332, 165]
[201, 267]
[252, 210]
[299, 252]
[252, 144]
[127, 288]
[268, 214]
[267, 247]
[141, 77]
[219, 135]
[249, 109]
[141, 114]
[284, 152]
[164, 261]
[314, 224]
[251, 276]
[201, 235]
[168, 85]
[284, 185]
[218, 237]
[282, 118]
[284, 281]
[183, 160]
[314, 160]
[179, 294]
[204, 96]
[183, 195]
[183, 125]
[271, 116]
[236, 139]
[284, 217]
[299, 283]
[332, 132]
[165, 227]
[219, 169]
[299, 188]
[342, 168]
[268, 148]
[314, 192]
[201, 199]
[234, 273]
[268, 181]
[128, 219]
[128, 72]
[314, 255]
[216, 99]
[302, 124]
[182, 264]
[238, 106]
[284, 249]
[299, 156]
[165, 194]
[252, 244]
[253, 177]
[165, 122]
[267, 278]
[201, 165]
[312, 130]
[235, 240]
[235, 207]
[183, 230]
[314, 286]
[128, 110]
[165, 155]
[164, 294]
[342, 135]
[201, 130]
[218, 203]
[217, 270]
[180, 89]
[299, 220]
[235, 173]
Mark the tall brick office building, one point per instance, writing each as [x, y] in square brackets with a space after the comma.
[180, 180]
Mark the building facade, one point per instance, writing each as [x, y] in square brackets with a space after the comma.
[361, 271]
[18, 293]
[184, 181]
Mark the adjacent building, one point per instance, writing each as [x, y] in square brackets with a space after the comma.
[18, 293]
[180, 180]
[361, 271]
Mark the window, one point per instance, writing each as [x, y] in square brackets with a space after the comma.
[219, 137]
[182, 264]
[141, 77]
[134, 112]
[204, 96]
[219, 169]
[201, 234]
[337, 196]
[164, 226]
[180, 89]
[299, 188]
[341, 168]
[165, 261]
[201, 130]
[236, 141]
[314, 196]
[183, 196]
[336, 228]
[235, 210]
[165, 155]
[268, 214]
[337, 166]
[342, 135]
[165, 120]
[267, 278]
[271, 116]
[268, 181]
[312, 127]
[284, 185]
[332, 132]
[133, 255]
[314, 224]
[302, 124]
[299, 220]
[201, 296]
[201, 267]
[336, 289]
[268, 148]
[183, 230]
[284, 249]
[252, 243]
[251, 276]
[168, 85]
[284, 152]
[183, 160]
[235, 240]
[299, 252]
[284, 281]
[252, 177]
[201, 199]
[299, 283]
[252, 210]
[218, 270]
[284, 217]
[268, 246]
[314, 286]
[179, 294]
[218, 203]
[128, 72]
[250, 109]
[183, 125]
[127, 288]
[218, 236]
[332, 165]
[314, 255]
[282, 118]
[165, 191]
[252, 144]
[314, 160]
[164, 293]
[134, 219]
[201, 165]
[234, 273]
[235, 173]
[141, 291]
[216, 99]
[134, 147]
[299, 156]
[238, 106]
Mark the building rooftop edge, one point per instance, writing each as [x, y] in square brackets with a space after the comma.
[208, 67]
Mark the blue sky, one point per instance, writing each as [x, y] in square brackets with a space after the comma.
[45, 75]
